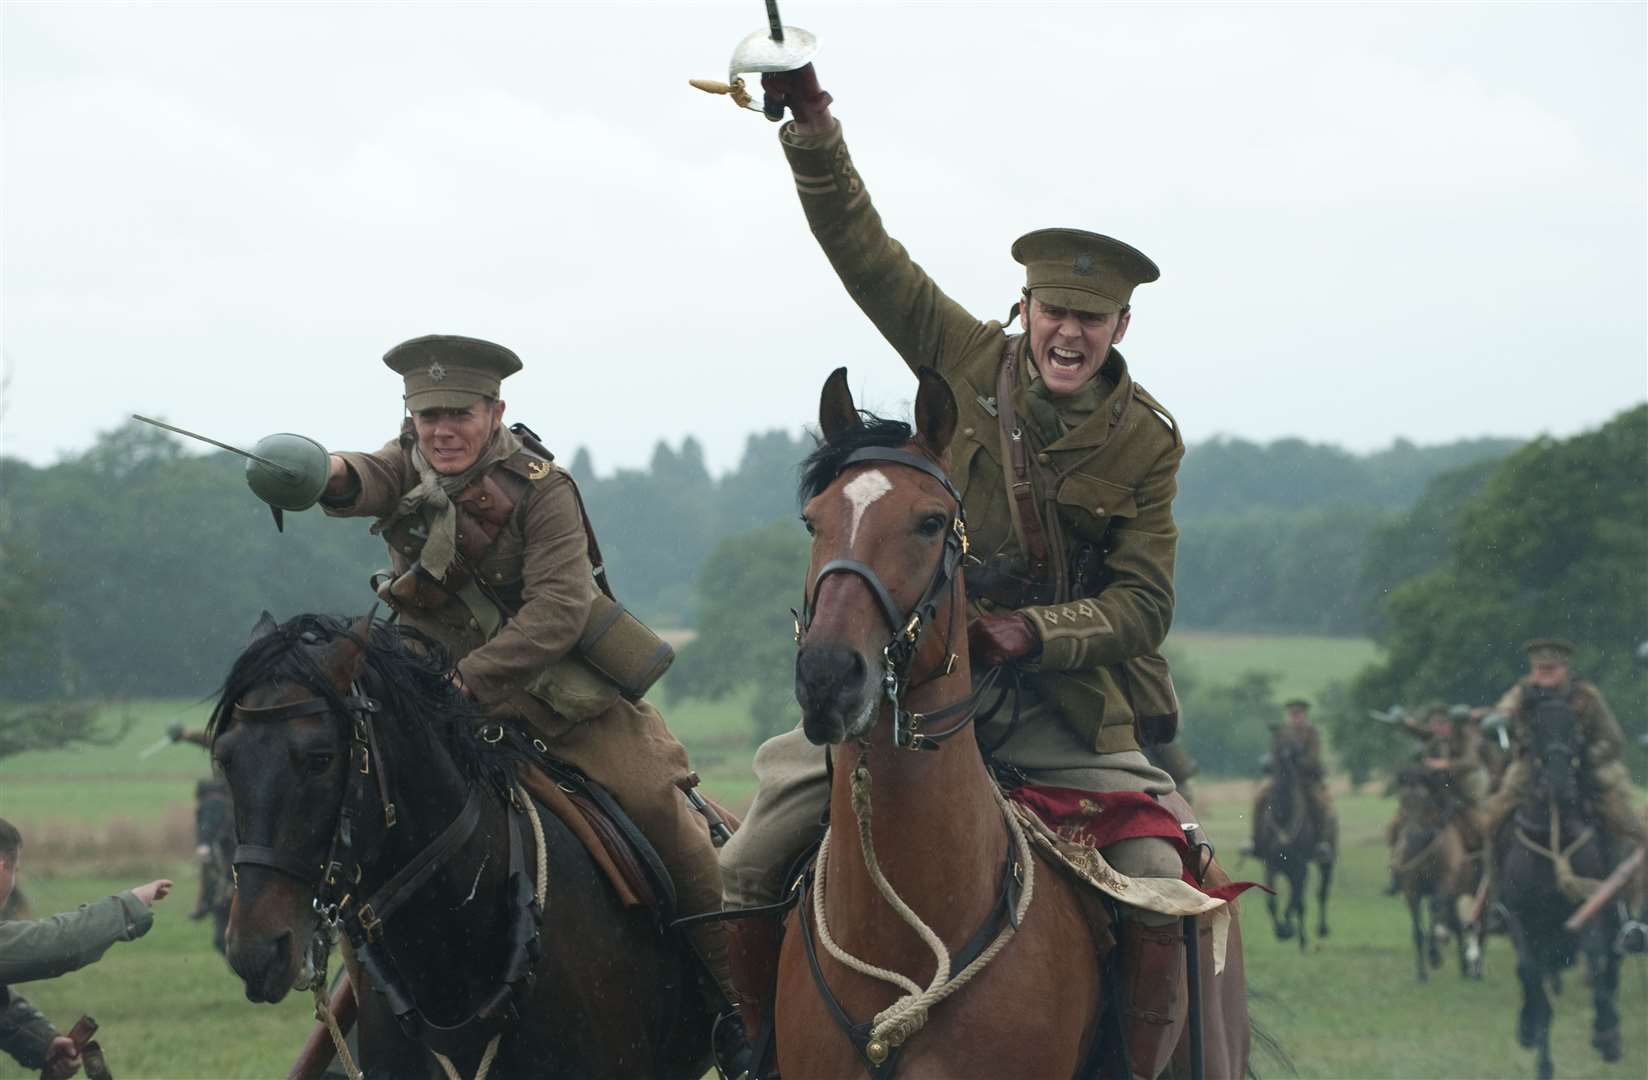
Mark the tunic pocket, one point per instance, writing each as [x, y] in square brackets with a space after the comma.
[1090, 504]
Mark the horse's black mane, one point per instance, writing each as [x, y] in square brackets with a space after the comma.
[821, 467]
[406, 672]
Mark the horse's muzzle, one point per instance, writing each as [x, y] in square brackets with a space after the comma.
[264, 965]
[837, 692]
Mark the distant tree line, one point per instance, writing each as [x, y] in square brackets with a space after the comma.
[137, 568]
[1551, 541]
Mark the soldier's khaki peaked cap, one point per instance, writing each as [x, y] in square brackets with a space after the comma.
[445, 371]
[1070, 268]
[1548, 650]
[1296, 703]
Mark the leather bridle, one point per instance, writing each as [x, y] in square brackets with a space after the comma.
[907, 627]
[338, 910]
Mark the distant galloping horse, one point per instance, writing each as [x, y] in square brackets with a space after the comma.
[929, 939]
[1435, 872]
[372, 798]
[1552, 857]
[1289, 839]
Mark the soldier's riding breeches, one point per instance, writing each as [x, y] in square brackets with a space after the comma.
[793, 788]
[630, 751]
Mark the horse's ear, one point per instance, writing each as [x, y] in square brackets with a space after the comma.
[348, 653]
[266, 625]
[936, 412]
[836, 411]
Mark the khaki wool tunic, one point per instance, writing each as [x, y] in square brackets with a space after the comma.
[1114, 473]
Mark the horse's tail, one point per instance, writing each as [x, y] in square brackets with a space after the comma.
[1265, 1041]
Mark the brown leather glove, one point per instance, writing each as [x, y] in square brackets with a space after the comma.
[808, 102]
[1000, 639]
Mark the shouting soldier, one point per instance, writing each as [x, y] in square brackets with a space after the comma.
[1067, 469]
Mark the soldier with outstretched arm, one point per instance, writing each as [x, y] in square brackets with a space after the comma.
[1068, 470]
[46, 948]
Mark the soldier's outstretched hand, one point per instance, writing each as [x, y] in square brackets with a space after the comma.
[154, 890]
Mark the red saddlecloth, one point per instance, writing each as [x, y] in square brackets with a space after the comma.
[1099, 819]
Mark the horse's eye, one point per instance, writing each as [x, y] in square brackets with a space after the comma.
[932, 525]
[808, 525]
[222, 761]
[316, 764]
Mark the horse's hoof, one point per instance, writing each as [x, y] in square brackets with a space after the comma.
[1284, 933]
[1322, 931]
[1607, 1044]
[1526, 1036]
[1547, 1071]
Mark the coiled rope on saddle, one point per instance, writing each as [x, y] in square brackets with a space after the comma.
[1574, 886]
[323, 1011]
[906, 1016]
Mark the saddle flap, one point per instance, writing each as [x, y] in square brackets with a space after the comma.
[608, 843]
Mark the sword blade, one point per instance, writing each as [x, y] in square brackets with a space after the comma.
[775, 26]
[220, 445]
[164, 742]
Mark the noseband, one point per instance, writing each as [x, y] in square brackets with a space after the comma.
[906, 627]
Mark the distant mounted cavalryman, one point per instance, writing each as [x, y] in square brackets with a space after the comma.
[1067, 469]
[493, 558]
[1450, 744]
[1297, 736]
[1549, 682]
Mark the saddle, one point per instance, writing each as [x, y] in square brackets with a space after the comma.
[625, 856]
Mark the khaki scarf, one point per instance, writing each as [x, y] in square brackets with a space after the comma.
[1055, 414]
[432, 500]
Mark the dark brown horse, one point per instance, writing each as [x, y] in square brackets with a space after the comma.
[1436, 874]
[372, 799]
[1289, 841]
[933, 868]
[1551, 854]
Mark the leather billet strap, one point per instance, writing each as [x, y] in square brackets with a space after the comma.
[411, 877]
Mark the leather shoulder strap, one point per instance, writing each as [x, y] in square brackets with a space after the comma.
[1015, 459]
[530, 440]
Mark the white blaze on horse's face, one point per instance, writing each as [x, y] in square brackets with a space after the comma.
[863, 490]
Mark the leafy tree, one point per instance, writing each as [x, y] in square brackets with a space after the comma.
[1226, 726]
[745, 631]
[1553, 543]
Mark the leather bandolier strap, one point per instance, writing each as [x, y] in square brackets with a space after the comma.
[1016, 463]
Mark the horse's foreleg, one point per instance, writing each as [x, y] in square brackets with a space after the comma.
[1603, 962]
[1283, 931]
[1322, 898]
[1418, 937]
[1299, 888]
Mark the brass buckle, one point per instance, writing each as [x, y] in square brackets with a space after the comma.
[494, 735]
[912, 627]
[389, 815]
[961, 531]
[370, 922]
[365, 761]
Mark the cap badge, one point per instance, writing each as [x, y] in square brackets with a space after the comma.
[537, 470]
[436, 371]
[1083, 264]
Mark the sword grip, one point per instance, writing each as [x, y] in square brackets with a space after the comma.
[798, 91]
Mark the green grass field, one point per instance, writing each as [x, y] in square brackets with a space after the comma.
[98, 819]
[1306, 665]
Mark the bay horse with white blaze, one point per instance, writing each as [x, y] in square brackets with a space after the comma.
[373, 799]
[931, 939]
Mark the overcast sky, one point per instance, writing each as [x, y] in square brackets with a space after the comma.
[1417, 220]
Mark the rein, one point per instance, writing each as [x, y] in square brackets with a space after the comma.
[362, 922]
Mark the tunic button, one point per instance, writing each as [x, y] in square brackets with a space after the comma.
[473, 625]
[1098, 511]
[497, 575]
[1043, 457]
[967, 431]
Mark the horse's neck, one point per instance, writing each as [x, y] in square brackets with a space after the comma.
[451, 919]
[937, 832]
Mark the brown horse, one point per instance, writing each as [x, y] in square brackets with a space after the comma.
[1435, 872]
[934, 868]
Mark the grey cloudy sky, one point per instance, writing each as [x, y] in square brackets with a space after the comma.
[1414, 220]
